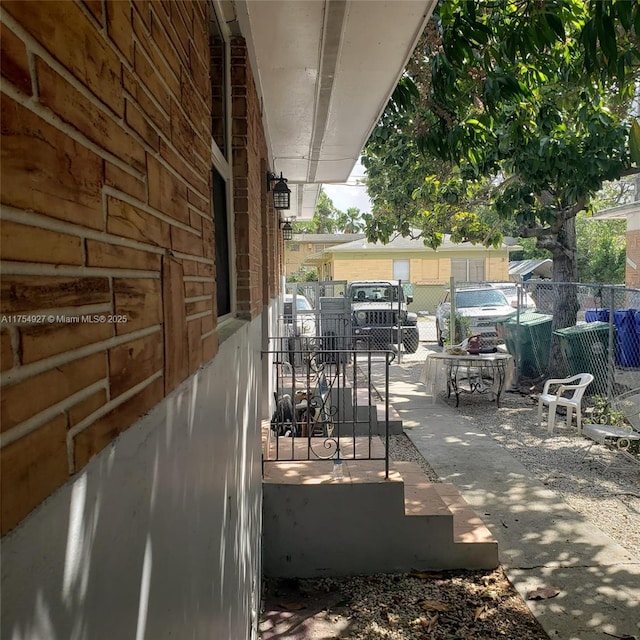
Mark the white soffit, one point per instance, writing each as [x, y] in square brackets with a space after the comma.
[303, 200]
[325, 70]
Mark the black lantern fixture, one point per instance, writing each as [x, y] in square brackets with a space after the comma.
[287, 229]
[281, 193]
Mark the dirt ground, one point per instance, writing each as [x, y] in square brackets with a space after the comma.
[456, 605]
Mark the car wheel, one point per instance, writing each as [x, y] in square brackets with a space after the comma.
[411, 341]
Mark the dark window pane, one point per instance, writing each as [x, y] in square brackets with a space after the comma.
[220, 218]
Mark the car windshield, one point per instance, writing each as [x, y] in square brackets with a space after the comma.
[302, 304]
[483, 298]
[372, 293]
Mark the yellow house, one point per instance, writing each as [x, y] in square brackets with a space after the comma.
[411, 261]
[303, 247]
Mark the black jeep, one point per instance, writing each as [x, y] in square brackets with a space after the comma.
[378, 309]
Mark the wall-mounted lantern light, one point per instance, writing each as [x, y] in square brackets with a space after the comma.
[287, 229]
[281, 193]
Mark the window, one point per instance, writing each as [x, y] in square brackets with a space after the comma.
[221, 225]
[294, 246]
[401, 270]
[480, 298]
[221, 184]
[467, 270]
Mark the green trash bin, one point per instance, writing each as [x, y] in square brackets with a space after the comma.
[585, 348]
[534, 339]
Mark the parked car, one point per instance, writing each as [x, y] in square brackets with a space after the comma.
[378, 309]
[482, 306]
[510, 290]
[301, 320]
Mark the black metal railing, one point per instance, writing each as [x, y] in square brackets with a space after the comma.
[326, 407]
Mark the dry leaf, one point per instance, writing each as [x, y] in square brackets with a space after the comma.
[543, 593]
[490, 594]
[291, 606]
[427, 623]
[421, 621]
[480, 611]
[434, 605]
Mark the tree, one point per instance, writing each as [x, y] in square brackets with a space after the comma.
[417, 194]
[601, 244]
[350, 221]
[528, 101]
[601, 251]
[304, 274]
[615, 193]
[325, 217]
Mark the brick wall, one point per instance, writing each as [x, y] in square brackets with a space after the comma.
[436, 269]
[107, 295]
[249, 185]
[632, 275]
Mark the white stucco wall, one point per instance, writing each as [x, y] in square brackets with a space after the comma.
[159, 536]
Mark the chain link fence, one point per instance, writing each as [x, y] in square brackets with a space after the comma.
[578, 328]
[598, 332]
[557, 329]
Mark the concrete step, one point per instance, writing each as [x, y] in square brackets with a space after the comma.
[363, 400]
[422, 497]
[468, 527]
[366, 523]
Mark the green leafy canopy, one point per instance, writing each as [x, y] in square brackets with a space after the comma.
[510, 116]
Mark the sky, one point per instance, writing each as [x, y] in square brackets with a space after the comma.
[350, 195]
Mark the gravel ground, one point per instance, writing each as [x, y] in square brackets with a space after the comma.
[461, 605]
[609, 498]
[401, 448]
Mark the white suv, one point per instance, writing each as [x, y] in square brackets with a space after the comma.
[301, 319]
[482, 306]
[510, 291]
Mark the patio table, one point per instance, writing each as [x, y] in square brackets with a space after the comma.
[486, 373]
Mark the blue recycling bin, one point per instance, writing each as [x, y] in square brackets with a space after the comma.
[627, 342]
[596, 315]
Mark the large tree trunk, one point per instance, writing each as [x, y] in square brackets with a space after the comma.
[565, 294]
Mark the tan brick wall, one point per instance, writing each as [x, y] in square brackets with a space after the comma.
[255, 217]
[434, 269]
[295, 259]
[632, 275]
[497, 269]
[107, 216]
[362, 269]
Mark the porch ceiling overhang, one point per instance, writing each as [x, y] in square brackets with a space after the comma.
[325, 70]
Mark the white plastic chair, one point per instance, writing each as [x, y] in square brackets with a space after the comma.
[568, 394]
